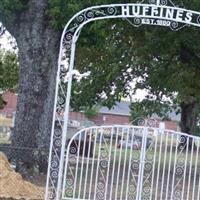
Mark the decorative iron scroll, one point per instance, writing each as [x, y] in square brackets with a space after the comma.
[152, 12]
[131, 162]
[147, 122]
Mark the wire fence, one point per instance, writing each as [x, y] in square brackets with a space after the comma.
[17, 179]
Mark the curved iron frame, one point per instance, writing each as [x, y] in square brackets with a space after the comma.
[65, 73]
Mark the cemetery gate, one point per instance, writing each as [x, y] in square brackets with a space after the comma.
[119, 162]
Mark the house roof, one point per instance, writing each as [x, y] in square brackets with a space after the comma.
[121, 108]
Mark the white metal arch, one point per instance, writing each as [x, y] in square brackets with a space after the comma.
[151, 13]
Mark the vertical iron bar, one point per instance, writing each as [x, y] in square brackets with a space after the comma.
[169, 166]
[198, 193]
[184, 177]
[66, 168]
[113, 168]
[165, 156]
[154, 164]
[82, 164]
[130, 159]
[109, 160]
[53, 119]
[123, 174]
[93, 160]
[66, 116]
[119, 165]
[195, 171]
[142, 162]
[158, 170]
[88, 162]
[190, 169]
[98, 162]
[174, 171]
[77, 162]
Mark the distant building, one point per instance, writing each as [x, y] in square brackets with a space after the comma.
[11, 103]
[118, 114]
[172, 124]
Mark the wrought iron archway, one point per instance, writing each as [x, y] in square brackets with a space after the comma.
[153, 12]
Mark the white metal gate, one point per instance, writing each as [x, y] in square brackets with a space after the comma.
[144, 180]
[132, 163]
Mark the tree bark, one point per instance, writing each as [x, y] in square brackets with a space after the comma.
[189, 114]
[38, 45]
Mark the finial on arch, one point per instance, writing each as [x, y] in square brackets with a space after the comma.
[158, 2]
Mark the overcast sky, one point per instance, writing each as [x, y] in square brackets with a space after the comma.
[5, 41]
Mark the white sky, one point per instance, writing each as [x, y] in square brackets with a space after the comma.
[5, 43]
[140, 94]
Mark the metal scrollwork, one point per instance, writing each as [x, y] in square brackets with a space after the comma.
[137, 22]
[163, 2]
[71, 165]
[152, 1]
[103, 168]
[180, 168]
[152, 122]
[174, 25]
[198, 19]
[148, 166]
[54, 165]
[148, 122]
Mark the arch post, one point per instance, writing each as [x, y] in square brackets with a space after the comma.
[66, 119]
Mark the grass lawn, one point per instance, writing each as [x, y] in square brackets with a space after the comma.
[164, 166]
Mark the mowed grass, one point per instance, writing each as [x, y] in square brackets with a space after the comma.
[162, 153]
[5, 138]
[163, 163]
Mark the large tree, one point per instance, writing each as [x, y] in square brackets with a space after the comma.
[38, 44]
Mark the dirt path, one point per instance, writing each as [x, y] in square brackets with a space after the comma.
[12, 185]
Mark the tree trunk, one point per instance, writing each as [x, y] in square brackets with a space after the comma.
[38, 45]
[189, 113]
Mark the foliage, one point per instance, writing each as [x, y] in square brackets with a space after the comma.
[156, 60]
[148, 108]
[10, 8]
[163, 62]
[9, 68]
[60, 11]
[91, 112]
[114, 53]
